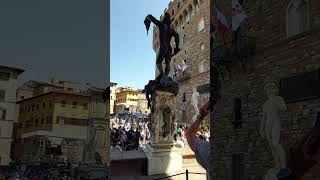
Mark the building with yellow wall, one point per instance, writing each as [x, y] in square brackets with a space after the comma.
[47, 120]
[8, 109]
[131, 100]
[55, 121]
[143, 103]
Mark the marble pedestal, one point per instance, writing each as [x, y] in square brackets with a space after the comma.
[162, 155]
[162, 159]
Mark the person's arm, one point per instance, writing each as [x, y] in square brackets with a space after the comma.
[191, 133]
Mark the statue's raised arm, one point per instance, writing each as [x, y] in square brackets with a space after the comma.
[152, 19]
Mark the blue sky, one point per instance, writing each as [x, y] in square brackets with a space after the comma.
[132, 59]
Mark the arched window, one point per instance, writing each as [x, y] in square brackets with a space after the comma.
[178, 5]
[175, 24]
[2, 95]
[241, 2]
[203, 67]
[206, 66]
[297, 17]
[201, 25]
[172, 13]
[184, 39]
[196, 4]
[186, 15]
[190, 10]
[180, 20]
[2, 113]
[201, 46]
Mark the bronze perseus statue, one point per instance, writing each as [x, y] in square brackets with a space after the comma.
[165, 35]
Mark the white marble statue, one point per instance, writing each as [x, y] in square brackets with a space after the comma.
[195, 101]
[270, 128]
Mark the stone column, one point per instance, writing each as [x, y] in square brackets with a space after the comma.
[162, 155]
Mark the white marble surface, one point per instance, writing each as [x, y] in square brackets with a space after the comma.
[170, 163]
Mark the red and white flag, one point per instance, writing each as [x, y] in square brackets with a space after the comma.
[222, 22]
[238, 15]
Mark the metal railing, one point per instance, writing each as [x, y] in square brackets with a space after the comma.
[186, 173]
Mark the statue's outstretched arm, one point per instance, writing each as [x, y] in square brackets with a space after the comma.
[153, 20]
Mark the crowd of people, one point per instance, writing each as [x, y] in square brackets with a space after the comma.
[130, 134]
[127, 140]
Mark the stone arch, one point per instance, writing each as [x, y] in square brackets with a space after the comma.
[172, 12]
[297, 17]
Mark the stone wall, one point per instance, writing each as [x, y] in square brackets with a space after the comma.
[277, 57]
